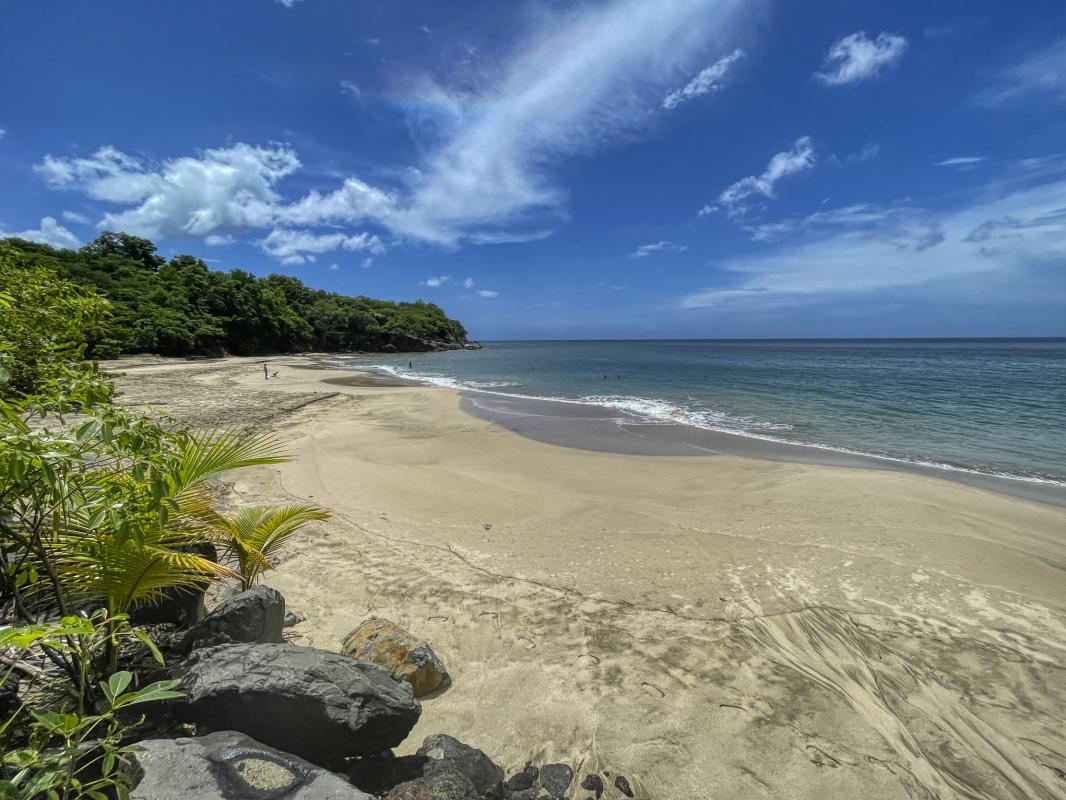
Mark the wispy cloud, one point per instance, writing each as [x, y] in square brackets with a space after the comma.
[856, 57]
[468, 283]
[706, 81]
[49, 232]
[869, 152]
[864, 249]
[961, 161]
[487, 293]
[739, 198]
[1041, 74]
[288, 3]
[646, 250]
[76, 217]
[578, 80]
[298, 247]
[351, 88]
[435, 281]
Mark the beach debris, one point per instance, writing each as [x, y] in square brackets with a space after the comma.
[324, 707]
[556, 778]
[522, 780]
[449, 753]
[408, 658]
[255, 615]
[229, 764]
[593, 783]
[622, 785]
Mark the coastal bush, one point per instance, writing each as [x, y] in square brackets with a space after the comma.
[180, 307]
[72, 745]
[44, 330]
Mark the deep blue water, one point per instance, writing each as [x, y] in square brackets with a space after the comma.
[992, 406]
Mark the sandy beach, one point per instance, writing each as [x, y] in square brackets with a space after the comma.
[707, 626]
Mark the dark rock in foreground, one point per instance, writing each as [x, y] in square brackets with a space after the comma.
[523, 780]
[231, 766]
[556, 778]
[593, 783]
[324, 707]
[446, 751]
[256, 615]
[622, 785]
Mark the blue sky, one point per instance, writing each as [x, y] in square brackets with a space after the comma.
[609, 169]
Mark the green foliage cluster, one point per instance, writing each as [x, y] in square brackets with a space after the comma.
[180, 307]
[102, 510]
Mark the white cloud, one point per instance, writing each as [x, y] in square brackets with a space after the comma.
[578, 80]
[646, 250]
[3, 133]
[49, 232]
[707, 80]
[863, 249]
[348, 87]
[856, 57]
[488, 293]
[435, 281]
[962, 161]
[218, 240]
[300, 246]
[354, 202]
[334, 267]
[1042, 73]
[367, 262]
[227, 188]
[737, 199]
[74, 216]
[468, 283]
[288, 3]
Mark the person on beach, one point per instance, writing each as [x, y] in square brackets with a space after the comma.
[265, 375]
[410, 365]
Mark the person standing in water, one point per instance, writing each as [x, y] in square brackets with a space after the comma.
[266, 376]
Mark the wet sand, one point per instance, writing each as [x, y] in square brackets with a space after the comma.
[707, 626]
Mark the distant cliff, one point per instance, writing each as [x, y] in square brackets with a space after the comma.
[180, 307]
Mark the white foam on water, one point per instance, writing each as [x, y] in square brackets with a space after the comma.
[659, 412]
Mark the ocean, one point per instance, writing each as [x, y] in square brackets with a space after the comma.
[993, 407]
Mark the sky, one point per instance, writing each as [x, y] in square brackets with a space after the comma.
[603, 169]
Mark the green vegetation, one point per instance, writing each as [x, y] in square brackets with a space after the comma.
[180, 307]
[102, 511]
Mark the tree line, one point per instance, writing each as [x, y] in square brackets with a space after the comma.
[181, 307]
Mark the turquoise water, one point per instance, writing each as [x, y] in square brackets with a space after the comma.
[988, 406]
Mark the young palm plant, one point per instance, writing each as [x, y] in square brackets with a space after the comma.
[252, 537]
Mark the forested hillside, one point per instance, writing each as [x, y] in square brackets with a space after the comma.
[180, 307]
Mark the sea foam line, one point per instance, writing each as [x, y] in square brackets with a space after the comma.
[659, 412]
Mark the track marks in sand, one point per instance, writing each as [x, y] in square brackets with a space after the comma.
[943, 748]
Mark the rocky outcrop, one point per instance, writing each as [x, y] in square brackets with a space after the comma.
[555, 779]
[386, 644]
[228, 765]
[255, 615]
[324, 707]
[449, 753]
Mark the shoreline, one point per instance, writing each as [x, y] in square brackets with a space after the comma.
[707, 626]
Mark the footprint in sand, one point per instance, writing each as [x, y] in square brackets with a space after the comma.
[489, 614]
[820, 758]
[529, 642]
[437, 619]
[587, 660]
[654, 691]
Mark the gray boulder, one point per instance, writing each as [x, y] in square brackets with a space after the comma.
[555, 779]
[324, 707]
[227, 766]
[255, 615]
[449, 753]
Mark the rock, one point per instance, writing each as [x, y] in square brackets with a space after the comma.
[228, 765]
[593, 783]
[389, 348]
[452, 754]
[531, 793]
[255, 615]
[378, 773]
[438, 784]
[556, 778]
[382, 642]
[293, 618]
[622, 785]
[324, 707]
[522, 780]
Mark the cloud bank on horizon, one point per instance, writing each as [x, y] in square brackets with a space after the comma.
[536, 140]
